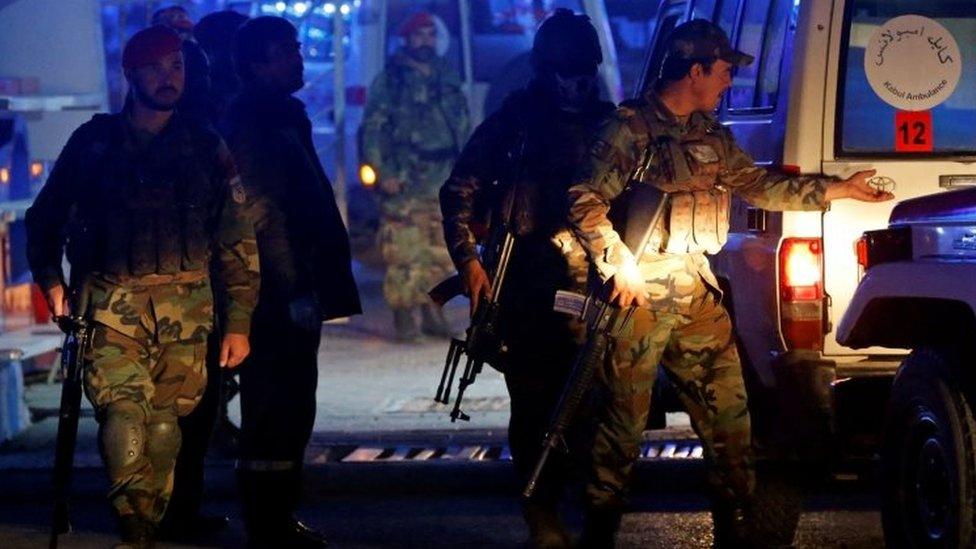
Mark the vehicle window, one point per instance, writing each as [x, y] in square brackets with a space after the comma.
[632, 25]
[725, 15]
[503, 29]
[667, 22]
[703, 9]
[762, 35]
[899, 98]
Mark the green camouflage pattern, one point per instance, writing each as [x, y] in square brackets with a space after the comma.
[411, 243]
[643, 151]
[698, 161]
[698, 352]
[237, 263]
[154, 383]
[413, 128]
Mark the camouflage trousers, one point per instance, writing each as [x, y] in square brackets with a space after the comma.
[139, 388]
[697, 349]
[411, 241]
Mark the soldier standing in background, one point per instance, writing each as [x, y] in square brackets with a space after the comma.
[215, 34]
[195, 102]
[146, 197]
[183, 520]
[415, 122]
[306, 278]
[668, 141]
[525, 155]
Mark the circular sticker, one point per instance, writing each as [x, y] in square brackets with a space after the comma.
[913, 63]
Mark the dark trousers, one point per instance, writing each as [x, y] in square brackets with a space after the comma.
[278, 384]
[542, 345]
[534, 385]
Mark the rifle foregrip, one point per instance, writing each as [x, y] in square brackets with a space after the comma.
[580, 382]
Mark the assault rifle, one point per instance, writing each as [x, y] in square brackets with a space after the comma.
[77, 340]
[599, 327]
[483, 343]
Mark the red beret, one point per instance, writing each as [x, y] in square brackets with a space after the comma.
[149, 45]
[416, 21]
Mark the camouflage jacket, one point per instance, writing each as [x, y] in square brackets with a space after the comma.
[645, 149]
[181, 302]
[413, 127]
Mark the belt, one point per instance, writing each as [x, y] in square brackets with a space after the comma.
[436, 155]
[156, 279]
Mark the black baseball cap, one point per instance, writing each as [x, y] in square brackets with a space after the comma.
[701, 39]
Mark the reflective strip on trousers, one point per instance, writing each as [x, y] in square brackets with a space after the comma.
[267, 465]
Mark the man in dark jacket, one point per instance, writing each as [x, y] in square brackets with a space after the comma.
[531, 147]
[304, 248]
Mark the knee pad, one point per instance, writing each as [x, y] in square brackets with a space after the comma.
[163, 439]
[123, 436]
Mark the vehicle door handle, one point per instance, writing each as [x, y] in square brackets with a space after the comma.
[957, 180]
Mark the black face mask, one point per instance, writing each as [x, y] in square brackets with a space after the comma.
[423, 54]
[574, 92]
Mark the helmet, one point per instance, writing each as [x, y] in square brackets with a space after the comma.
[567, 44]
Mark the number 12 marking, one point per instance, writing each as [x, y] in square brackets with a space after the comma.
[913, 131]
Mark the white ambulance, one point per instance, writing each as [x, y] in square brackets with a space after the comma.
[837, 86]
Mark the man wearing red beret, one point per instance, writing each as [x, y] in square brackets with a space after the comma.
[416, 122]
[146, 198]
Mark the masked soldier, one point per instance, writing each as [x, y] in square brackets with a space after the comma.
[518, 164]
[415, 122]
[668, 141]
[146, 197]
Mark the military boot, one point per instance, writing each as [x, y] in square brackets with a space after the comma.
[269, 502]
[404, 326]
[729, 526]
[600, 528]
[434, 323]
[135, 533]
[546, 529]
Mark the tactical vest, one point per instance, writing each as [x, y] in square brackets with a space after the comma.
[148, 213]
[687, 165]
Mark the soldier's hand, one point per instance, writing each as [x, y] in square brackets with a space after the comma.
[57, 300]
[626, 288]
[391, 185]
[857, 187]
[233, 350]
[474, 282]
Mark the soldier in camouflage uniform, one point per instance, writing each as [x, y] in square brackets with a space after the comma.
[146, 197]
[415, 122]
[668, 141]
[525, 155]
